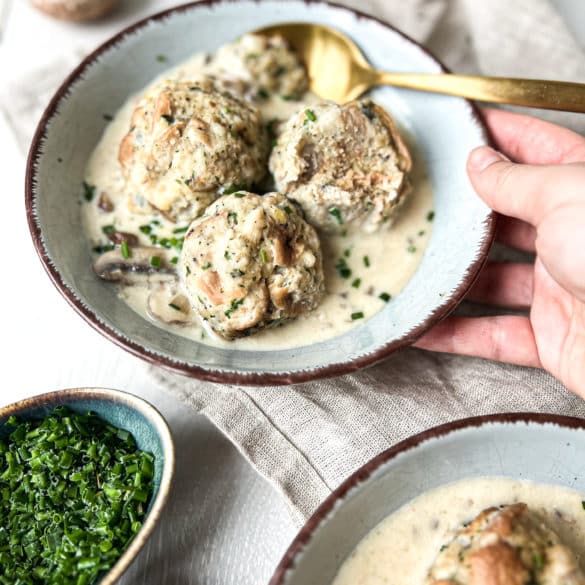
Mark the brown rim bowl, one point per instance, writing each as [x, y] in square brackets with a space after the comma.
[444, 129]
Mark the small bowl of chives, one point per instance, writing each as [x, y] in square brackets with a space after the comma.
[84, 476]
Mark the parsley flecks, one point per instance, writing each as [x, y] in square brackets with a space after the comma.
[583, 504]
[356, 283]
[125, 248]
[357, 315]
[430, 216]
[161, 58]
[342, 268]
[145, 229]
[367, 261]
[231, 189]
[206, 266]
[384, 296]
[538, 562]
[88, 191]
[236, 272]
[108, 229]
[336, 213]
[233, 306]
[411, 249]
[233, 217]
[76, 491]
[155, 261]
[310, 115]
[174, 260]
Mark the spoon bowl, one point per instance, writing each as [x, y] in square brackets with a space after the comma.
[325, 50]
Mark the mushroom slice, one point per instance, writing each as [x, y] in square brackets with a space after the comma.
[145, 265]
[166, 305]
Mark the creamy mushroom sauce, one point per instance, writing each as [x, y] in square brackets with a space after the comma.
[380, 263]
[400, 550]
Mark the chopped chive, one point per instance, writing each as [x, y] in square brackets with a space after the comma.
[88, 191]
[155, 261]
[205, 266]
[126, 253]
[347, 252]
[538, 561]
[421, 233]
[145, 229]
[231, 189]
[227, 255]
[161, 58]
[233, 306]
[262, 93]
[180, 230]
[236, 272]
[411, 249]
[385, 296]
[356, 283]
[310, 115]
[174, 259]
[108, 229]
[342, 268]
[430, 216]
[176, 307]
[170, 120]
[583, 504]
[287, 209]
[263, 256]
[357, 315]
[336, 213]
[366, 261]
[108, 117]
[233, 217]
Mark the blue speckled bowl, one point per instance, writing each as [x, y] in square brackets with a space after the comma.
[124, 411]
[444, 129]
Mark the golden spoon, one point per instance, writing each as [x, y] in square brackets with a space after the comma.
[338, 71]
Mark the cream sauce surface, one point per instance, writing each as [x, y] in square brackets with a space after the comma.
[400, 550]
[380, 263]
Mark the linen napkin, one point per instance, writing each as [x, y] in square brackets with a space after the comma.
[306, 439]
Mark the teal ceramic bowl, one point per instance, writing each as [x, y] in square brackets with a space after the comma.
[124, 411]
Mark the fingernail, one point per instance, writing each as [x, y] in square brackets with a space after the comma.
[484, 156]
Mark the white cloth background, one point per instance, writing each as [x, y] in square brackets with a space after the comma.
[307, 438]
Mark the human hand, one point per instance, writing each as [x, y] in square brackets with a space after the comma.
[542, 202]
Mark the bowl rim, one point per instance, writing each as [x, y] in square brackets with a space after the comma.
[364, 473]
[347, 365]
[154, 417]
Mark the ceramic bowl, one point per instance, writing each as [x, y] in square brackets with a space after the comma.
[535, 447]
[124, 411]
[443, 128]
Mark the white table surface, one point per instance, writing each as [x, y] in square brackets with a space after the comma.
[224, 524]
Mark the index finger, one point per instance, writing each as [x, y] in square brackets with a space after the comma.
[529, 140]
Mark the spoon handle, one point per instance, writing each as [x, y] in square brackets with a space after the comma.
[550, 95]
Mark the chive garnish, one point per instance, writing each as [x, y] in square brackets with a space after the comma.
[357, 315]
[342, 268]
[356, 283]
[75, 492]
[145, 229]
[430, 216]
[174, 259]
[583, 504]
[170, 120]
[126, 253]
[180, 230]
[88, 191]
[310, 115]
[233, 306]
[262, 93]
[155, 261]
[205, 266]
[411, 249]
[366, 261]
[176, 307]
[287, 209]
[385, 296]
[161, 58]
[233, 217]
[263, 256]
[108, 229]
[538, 562]
[336, 213]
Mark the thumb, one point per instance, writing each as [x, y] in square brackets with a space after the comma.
[526, 192]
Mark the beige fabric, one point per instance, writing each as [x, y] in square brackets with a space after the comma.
[307, 438]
